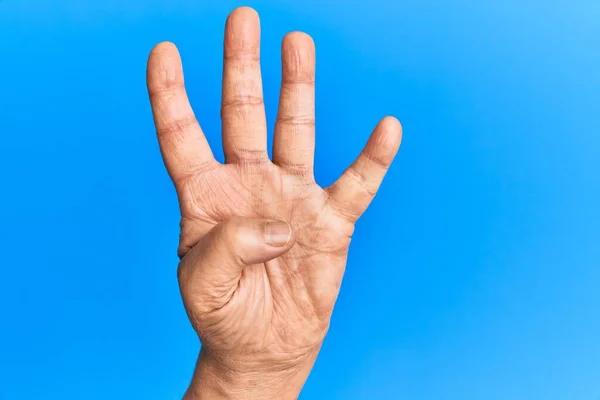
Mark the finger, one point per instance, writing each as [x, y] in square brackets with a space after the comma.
[242, 109]
[212, 269]
[294, 138]
[182, 142]
[352, 193]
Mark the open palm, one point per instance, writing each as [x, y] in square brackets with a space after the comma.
[278, 309]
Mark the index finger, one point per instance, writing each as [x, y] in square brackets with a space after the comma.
[183, 145]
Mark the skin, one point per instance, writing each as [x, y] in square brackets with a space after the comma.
[263, 248]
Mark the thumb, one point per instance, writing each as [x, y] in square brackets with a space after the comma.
[211, 270]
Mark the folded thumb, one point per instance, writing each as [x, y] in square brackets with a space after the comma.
[214, 265]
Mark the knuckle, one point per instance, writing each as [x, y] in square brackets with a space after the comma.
[234, 238]
[376, 160]
[252, 156]
[299, 170]
[296, 120]
[242, 101]
[348, 214]
[296, 77]
[165, 87]
[241, 54]
[233, 232]
[355, 176]
[177, 126]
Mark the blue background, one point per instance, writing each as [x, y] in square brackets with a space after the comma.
[475, 274]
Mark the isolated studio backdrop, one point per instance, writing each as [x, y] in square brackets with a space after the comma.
[474, 275]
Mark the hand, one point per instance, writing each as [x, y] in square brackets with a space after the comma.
[263, 248]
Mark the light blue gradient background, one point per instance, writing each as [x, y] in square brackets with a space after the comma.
[474, 275]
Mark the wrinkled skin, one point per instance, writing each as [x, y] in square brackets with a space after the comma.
[272, 315]
[292, 294]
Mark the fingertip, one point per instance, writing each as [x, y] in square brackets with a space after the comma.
[244, 11]
[298, 55]
[392, 124]
[390, 130]
[163, 47]
[162, 52]
[242, 35]
[164, 67]
[298, 38]
[243, 16]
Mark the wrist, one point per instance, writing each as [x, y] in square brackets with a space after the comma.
[215, 380]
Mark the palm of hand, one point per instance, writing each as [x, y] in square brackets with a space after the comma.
[296, 290]
[280, 308]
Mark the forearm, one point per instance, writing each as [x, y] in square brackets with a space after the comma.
[215, 382]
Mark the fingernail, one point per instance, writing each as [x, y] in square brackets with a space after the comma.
[277, 233]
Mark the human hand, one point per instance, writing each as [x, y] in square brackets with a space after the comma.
[263, 247]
